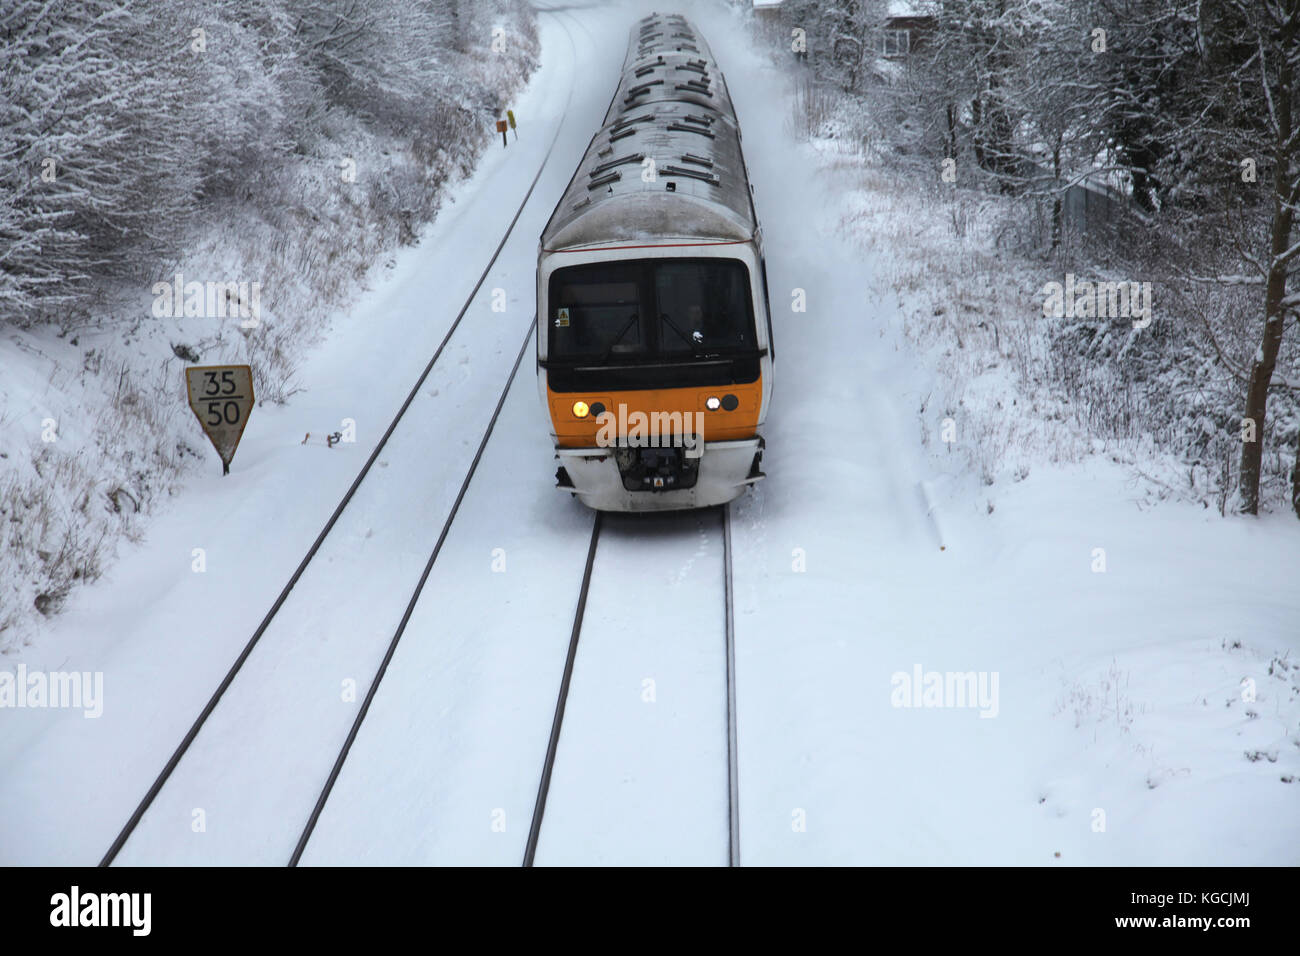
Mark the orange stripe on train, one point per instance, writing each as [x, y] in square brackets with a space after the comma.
[720, 425]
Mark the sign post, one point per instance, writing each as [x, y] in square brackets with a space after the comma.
[510, 117]
[221, 397]
[501, 128]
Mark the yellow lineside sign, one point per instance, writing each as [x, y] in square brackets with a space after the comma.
[221, 397]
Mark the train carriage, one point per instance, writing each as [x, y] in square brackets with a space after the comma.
[654, 346]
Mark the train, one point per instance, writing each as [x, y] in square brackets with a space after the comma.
[654, 345]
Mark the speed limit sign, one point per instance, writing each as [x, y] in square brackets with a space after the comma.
[221, 397]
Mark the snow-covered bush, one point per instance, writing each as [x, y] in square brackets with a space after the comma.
[287, 142]
[1176, 116]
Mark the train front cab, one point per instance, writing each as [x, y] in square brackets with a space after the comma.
[662, 413]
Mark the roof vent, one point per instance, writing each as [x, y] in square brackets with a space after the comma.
[711, 178]
[625, 123]
[621, 161]
[641, 90]
[682, 127]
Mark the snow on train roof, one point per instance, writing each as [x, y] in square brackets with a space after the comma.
[671, 106]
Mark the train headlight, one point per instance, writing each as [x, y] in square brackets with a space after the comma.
[580, 409]
[712, 403]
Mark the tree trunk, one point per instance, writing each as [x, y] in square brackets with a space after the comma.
[1295, 479]
[1261, 372]
[457, 27]
[1056, 196]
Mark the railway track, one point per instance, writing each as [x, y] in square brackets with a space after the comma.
[412, 597]
[406, 617]
[725, 648]
[187, 741]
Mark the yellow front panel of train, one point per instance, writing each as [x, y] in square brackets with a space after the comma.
[573, 430]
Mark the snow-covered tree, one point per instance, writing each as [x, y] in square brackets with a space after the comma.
[124, 122]
[95, 145]
[1235, 152]
[1259, 42]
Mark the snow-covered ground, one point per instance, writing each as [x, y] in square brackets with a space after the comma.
[1144, 713]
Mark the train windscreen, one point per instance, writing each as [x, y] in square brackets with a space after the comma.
[636, 311]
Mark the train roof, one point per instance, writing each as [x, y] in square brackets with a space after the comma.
[672, 106]
[668, 61]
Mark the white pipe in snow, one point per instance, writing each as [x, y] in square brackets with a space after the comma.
[932, 512]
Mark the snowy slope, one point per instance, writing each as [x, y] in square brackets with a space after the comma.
[1014, 594]
[163, 635]
[1118, 691]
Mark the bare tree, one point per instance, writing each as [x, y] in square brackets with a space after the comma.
[1275, 27]
[1251, 57]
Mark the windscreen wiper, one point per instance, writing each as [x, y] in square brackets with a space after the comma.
[690, 342]
[619, 338]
